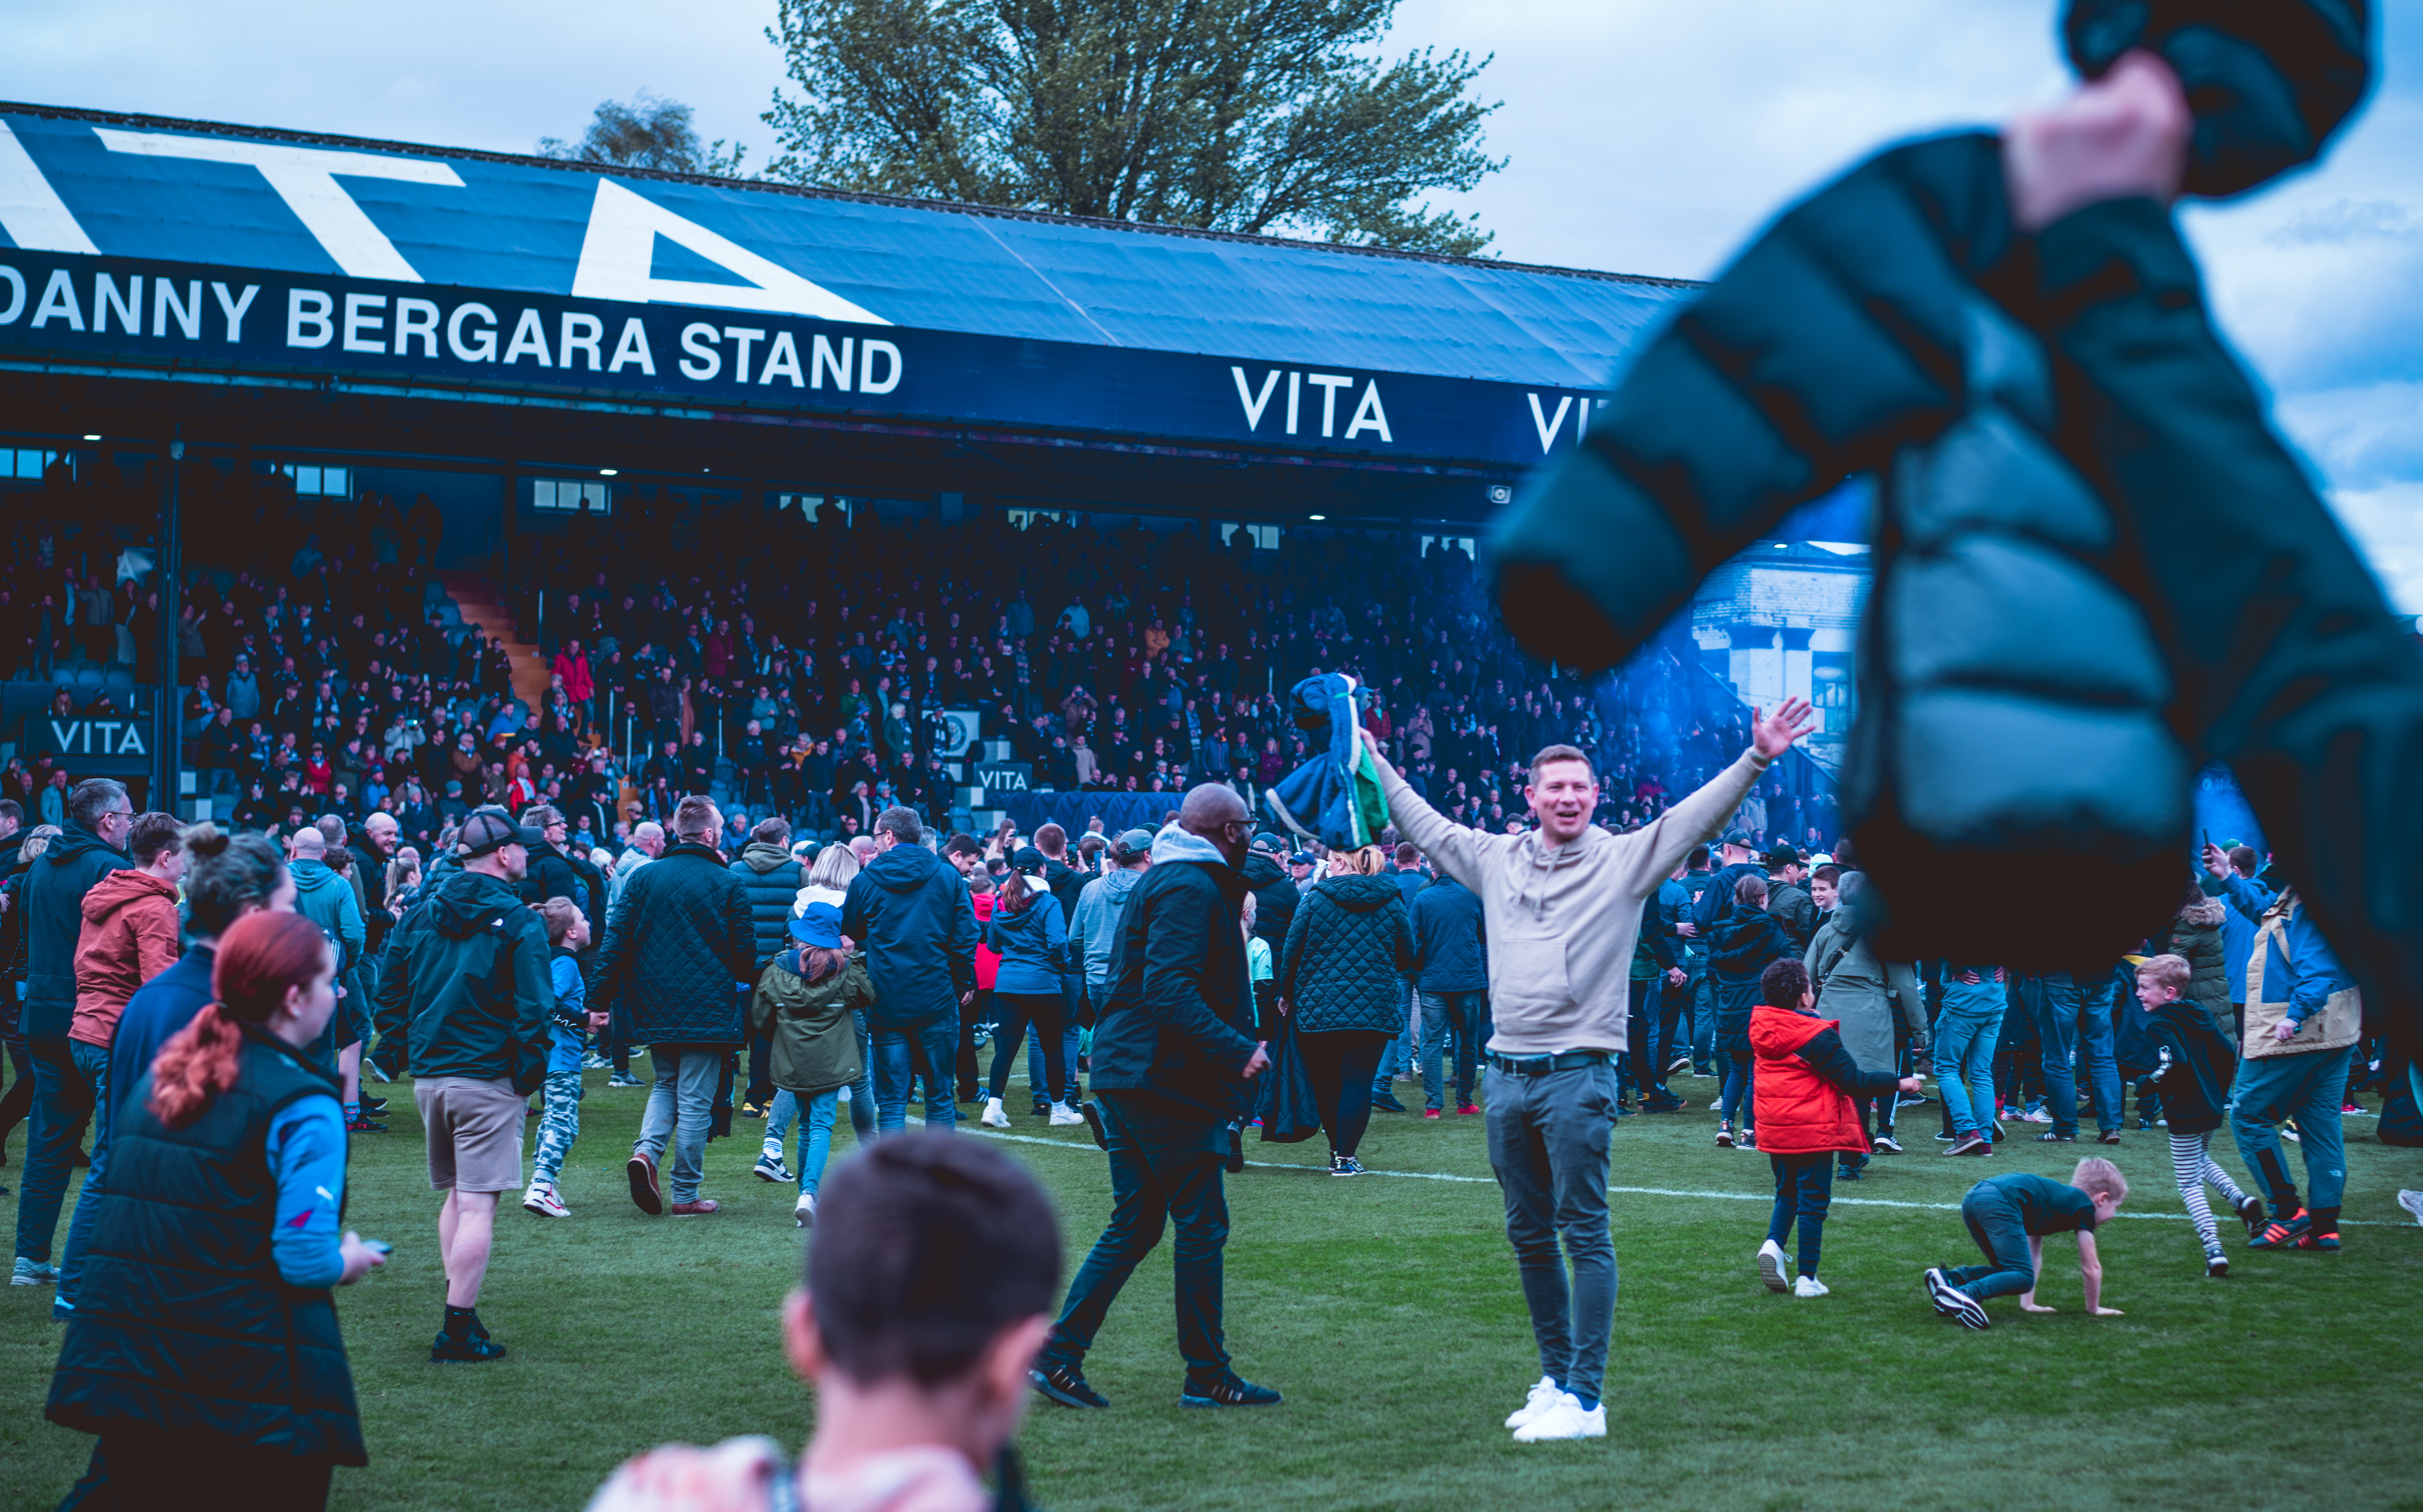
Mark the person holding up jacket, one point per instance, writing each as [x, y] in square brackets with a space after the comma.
[1347, 949]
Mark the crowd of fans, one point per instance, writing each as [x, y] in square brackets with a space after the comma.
[323, 668]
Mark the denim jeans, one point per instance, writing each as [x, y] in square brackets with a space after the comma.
[558, 1126]
[1018, 1012]
[1458, 1015]
[1994, 1224]
[1964, 1067]
[1804, 1190]
[1548, 1142]
[1162, 1167]
[2074, 1019]
[1739, 1069]
[62, 1098]
[91, 1061]
[895, 1068]
[2309, 1088]
[1399, 1051]
[816, 1131]
[680, 1105]
[1700, 994]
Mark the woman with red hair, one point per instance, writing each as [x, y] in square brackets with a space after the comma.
[204, 1347]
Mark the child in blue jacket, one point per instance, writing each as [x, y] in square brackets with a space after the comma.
[567, 932]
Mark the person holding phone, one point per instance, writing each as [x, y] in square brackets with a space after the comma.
[204, 1347]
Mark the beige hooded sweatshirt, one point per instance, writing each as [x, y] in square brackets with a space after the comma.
[1563, 919]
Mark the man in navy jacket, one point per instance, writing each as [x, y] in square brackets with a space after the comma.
[1174, 1063]
[913, 918]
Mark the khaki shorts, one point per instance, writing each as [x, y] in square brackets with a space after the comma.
[475, 1133]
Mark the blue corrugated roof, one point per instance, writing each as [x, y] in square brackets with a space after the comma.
[520, 224]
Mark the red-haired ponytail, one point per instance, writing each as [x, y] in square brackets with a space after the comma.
[260, 956]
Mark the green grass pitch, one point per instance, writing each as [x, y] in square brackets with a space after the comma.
[1386, 1309]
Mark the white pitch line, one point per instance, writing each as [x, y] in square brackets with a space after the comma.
[1626, 1191]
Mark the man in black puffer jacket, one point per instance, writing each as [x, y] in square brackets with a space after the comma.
[772, 879]
[1173, 1065]
[679, 958]
[2095, 566]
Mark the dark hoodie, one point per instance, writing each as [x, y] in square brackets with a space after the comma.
[53, 898]
[2195, 1064]
[1275, 898]
[910, 914]
[1351, 944]
[465, 974]
[1743, 947]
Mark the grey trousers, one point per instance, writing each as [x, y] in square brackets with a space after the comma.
[1548, 1142]
[680, 1107]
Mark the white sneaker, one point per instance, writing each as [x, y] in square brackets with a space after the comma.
[804, 1210]
[1063, 1115]
[2412, 1203]
[1807, 1286]
[1772, 1267]
[544, 1202]
[1566, 1420]
[994, 1116]
[1544, 1396]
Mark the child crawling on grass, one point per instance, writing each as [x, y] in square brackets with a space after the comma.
[1804, 1100]
[929, 1281]
[2009, 1216]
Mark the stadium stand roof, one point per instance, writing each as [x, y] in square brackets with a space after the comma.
[481, 271]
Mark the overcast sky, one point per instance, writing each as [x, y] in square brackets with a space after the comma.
[1643, 137]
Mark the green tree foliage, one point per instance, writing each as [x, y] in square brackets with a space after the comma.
[1260, 116]
[649, 133]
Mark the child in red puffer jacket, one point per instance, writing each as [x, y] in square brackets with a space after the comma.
[1803, 1091]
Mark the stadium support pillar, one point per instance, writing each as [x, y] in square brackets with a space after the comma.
[168, 750]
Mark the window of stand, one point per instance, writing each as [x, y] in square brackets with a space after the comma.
[1264, 537]
[812, 507]
[26, 465]
[570, 495]
[1020, 519]
[317, 482]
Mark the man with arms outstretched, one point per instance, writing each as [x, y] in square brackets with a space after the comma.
[1563, 907]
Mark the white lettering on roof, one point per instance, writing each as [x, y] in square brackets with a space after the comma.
[618, 261]
[306, 178]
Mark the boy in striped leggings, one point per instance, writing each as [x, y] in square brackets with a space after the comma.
[2193, 1067]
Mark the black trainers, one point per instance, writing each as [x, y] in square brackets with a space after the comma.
[1230, 1390]
[2251, 1213]
[470, 1349]
[1386, 1102]
[2058, 1139]
[1094, 1124]
[1236, 1158]
[1066, 1385]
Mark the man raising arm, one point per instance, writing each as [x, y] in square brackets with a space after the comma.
[1562, 905]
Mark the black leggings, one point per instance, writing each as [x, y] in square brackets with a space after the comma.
[146, 1467]
[1342, 1064]
[1047, 1012]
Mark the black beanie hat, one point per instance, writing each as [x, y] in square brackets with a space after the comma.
[2269, 80]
